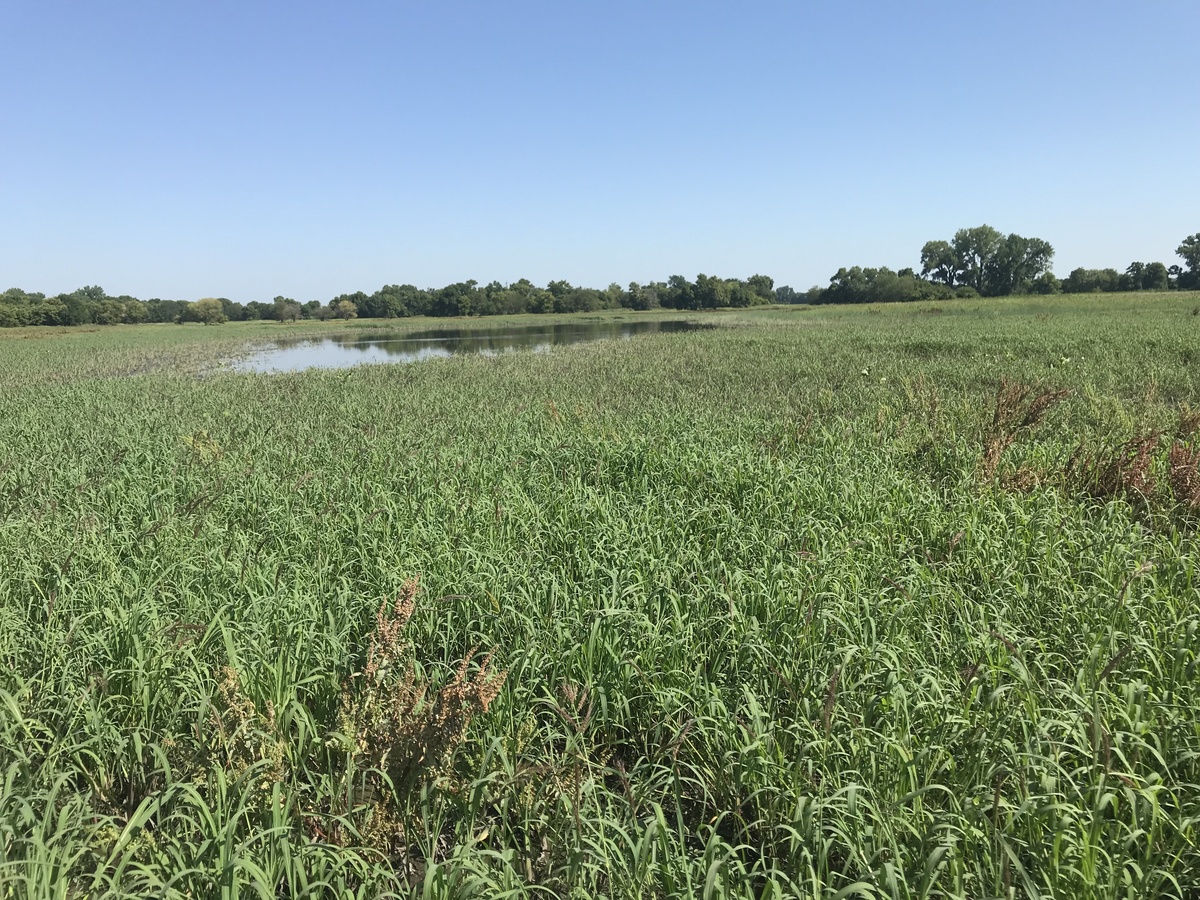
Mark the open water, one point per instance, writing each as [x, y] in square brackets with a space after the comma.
[291, 354]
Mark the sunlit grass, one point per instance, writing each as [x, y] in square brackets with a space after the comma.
[770, 625]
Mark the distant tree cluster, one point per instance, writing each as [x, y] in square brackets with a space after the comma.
[92, 306]
[1137, 277]
[982, 262]
[976, 262]
[1140, 276]
[468, 298]
[88, 305]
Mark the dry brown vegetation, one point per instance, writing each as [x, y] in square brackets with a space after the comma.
[1017, 410]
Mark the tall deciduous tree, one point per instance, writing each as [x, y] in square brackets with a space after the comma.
[763, 287]
[987, 261]
[679, 293]
[1134, 273]
[1189, 249]
[285, 309]
[940, 262]
[1015, 265]
[976, 248]
[208, 311]
[710, 292]
[1156, 278]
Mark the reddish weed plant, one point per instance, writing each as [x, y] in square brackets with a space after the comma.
[398, 727]
[1183, 472]
[1018, 408]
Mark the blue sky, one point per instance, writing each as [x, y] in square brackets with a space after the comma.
[248, 149]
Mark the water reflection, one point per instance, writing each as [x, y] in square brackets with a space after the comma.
[288, 354]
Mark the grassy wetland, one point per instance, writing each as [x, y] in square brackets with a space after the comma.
[822, 602]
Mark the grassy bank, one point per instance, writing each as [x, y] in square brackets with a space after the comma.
[883, 601]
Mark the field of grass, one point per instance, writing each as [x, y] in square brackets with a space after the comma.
[822, 603]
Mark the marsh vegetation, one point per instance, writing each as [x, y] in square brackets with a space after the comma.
[877, 602]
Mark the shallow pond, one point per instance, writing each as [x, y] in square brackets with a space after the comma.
[290, 354]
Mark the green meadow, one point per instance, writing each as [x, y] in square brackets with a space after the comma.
[895, 601]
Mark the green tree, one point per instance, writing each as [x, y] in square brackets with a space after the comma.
[710, 292]
[881, 285]
[1156, 277]
[849, 285]
[1189, 249]
[389, 302]
[1132, 279]
[540, 301]
[983, 259]
[1015, 264]
[160, 310]
[639, 297]
[345, 309]
[109, 311]
[763, 287]
[234, 312]
[976, 248]
[678, 293]
[83, 303]
[1091, 281]
[579, 300]
[207, 311]
[92, 293]
[940, 262]
[455, 299]
[51, 311]
[358, 299]
[285, 309]
[1046, 283]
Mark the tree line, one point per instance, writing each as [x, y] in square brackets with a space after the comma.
[976, 262]
[983, 262]
[92, 306]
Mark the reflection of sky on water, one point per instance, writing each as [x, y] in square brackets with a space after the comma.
[288, 354]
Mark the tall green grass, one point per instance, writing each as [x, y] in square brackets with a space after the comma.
[761, 623]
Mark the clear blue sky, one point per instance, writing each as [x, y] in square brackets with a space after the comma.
[248, 149]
